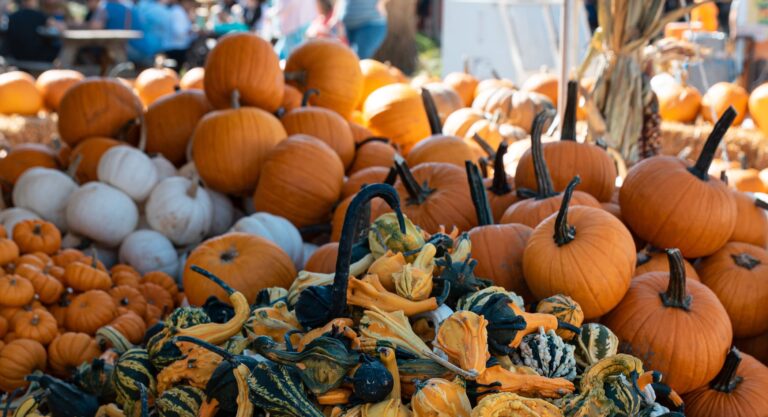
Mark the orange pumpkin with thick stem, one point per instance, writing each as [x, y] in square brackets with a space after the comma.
[373, 152]
[651, 260]
[323, 260]
[720, 97]
[23, 157]
[53, 84]
[38, 325]
[87, 155]
[676, 325]
[375, 75]
[322, 124]
[738, 275]
[583, 252]
[372, 175]
[446, 99]
[130, 325]
[699, 225]
[128, 299]
[545, 201]
[739, 389]
[331, 68]
[18, 359]
[154, 83]
[165, 134]
[37, 236]
[570, 158]
[83, 110]
[89, 311]
[247, 263]
[289, 189]
[193, 79]
[229, 147]
[255, 73]
[396, 112]
[20, 96]
[70, 350]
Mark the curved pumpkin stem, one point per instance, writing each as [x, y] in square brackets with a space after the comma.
[564, 233]
[479, 197]
[216, 280]
[307, 95]
[676, 295]
[569, 118]
[701, 169]
[761, 204]
[500, 185]
[234, 99]
[372, 139]
[727, 380]
[543, 179]
[417, 193]
[429, 106]
[484, 145]
[121, 68]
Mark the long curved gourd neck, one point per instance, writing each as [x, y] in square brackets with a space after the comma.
[676, 295]
[569, 118]
[545, 188]
[347, 240]
[701, 168]
[479, 197]
[565, 233]
[432, 115]
[500, 185]
[727, 380]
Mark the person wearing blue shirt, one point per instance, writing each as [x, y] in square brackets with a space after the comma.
[366, 24]
[151, 17]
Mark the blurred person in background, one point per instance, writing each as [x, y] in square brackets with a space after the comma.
[179, 33]
[111, 14]
[326, 24]
[365, 22]
[23, 37]
[152, 18]
[290, 21]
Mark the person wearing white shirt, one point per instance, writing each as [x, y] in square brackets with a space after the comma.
[290, 20]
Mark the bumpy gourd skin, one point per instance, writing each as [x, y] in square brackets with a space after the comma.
[512, 405]
[441, 398]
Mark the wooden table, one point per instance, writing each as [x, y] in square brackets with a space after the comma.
[114, 41]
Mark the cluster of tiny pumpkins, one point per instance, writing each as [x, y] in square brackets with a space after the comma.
[421, 312]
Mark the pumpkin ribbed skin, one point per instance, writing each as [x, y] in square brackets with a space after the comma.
[325, 125]
[396, 112]
[752, 221]
[531, 212]
[193, 79]
[331, 68]
[291, 186]
[230, 146]
[373, 153]
[171, 121]
[372, 175]
[38, 325]
[459, 122]
[18, 359]
[89, 152]
[498, 250]
[247, 263]
[154, 83]
[53, 84]
[324, 259]
[96, 107]
[756, 346]
[70, 350]
[128, 298]
[375, 75]
[247, 63]
[738, 275]
[657, 262]
[441, 148]
[89, 311]
[20, 96]
[464, 84]
[446, 99]
[131, 326]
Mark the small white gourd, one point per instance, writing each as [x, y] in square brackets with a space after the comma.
[129, 170]
[102, 213]
[148, 250]
[46, 192]
[180, 209]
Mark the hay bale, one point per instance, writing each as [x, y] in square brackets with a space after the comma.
[678, 138]
[16, 129]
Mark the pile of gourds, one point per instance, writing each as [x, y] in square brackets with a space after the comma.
[449, 286]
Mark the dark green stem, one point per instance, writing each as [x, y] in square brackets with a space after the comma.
[543, 179]
[745, 261]
[727, 380]
[569, 118]
[391, 177]
[372, 139]
[417, 193]
[218, 281]
[484, 145]
[761, 204]
[676, 295]
[724, 177]
[432, 114]
[479, 197]
[500, 185]
[701, 169]
[565, 233]
[307, 95]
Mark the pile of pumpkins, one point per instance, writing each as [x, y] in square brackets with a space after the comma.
[444, 214]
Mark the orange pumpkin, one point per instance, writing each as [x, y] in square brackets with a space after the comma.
[154, 83]
[87, 154]
[675, 324]
[255, 72]
[396, 112]
[70, 350]
[157, 296]
[47, 288]
[459, 122]
[517, 108]
[493, 84]
[126, 278]
[323, 260]
[745, 179]
[292, 98]
[464, 84]
[656, 261]
[164, 280]
[229, 147]
[446, 99]
[359, 132]
[441, 148]
[15, 291]
[23, 157]
[128, 299]
[721, 96]
[290, 188]
[373, 152]
[679, 103]
[375, 75]
[18, 359]
[738, 275]
[543, 83]
[130, 325]
[373, 175]
[583, 252]
[325, 125]
[756, 346]
[37, 236]
[83, 277]
[20, 96]
[67, 256]
[170, 122]
[193, 79]
[53, 84]
[758, 106]
[38, 325]
[331, 68]
[752, 220]
[89, 311]
[96, 107]
[247, 263]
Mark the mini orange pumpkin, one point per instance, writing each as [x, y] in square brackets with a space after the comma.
[89, 311]
[38, 325]
[37, 236]
[128, 299]
[720, 97]
[67, 256]
[20, 96]
[9, 251]
[47, 288]
[164, 280]
[83, 277]
[126, 278]
[157, 296]
[70, 350]
[130, 325]
[18, 359]
[15, 291]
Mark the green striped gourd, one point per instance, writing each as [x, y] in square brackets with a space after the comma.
[594, 343]
[180, 401]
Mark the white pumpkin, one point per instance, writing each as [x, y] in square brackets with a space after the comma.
[9, 218]
[129, 170]
[148, 250]
[164, 167]
[102, 213]
[180, 209]
[223, 213]
[277, 229]
[46, 192]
